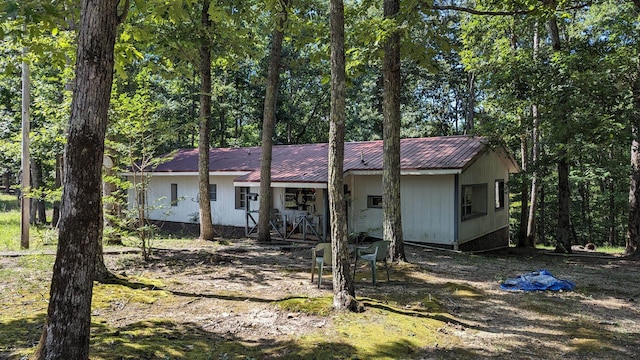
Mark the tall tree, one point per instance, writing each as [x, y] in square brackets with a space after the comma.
[343, 290]
[66, 331]
[269, 120]
[392, 219]
[535, 157]
[206, 223]
[633, 225]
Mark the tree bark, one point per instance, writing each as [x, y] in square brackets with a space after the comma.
[343, 290]
[535, 156]
[206, 223]
[563, 232]
[392, 214]
[563, 235]
[268, 123]
[535, 179]
[55, 217]
[66, 331]
[633, 227]
[524, 189]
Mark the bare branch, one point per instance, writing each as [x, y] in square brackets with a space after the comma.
[472, 11]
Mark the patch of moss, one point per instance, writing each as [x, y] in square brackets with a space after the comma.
[464, 290]
[162, 339]
[320, 306]
[383, 331]
[133, 289]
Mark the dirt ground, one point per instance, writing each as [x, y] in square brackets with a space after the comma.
[228, 289]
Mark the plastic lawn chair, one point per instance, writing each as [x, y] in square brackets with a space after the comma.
[374, 253]
[321, 256]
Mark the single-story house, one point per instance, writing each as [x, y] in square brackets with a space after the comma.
[453, 189]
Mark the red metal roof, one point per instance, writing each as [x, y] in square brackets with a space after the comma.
[308, 163]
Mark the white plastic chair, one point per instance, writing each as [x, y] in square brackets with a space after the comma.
[320, 256]
[375, 252]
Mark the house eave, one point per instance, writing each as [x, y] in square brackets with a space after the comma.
[281, 184]
[408, 172]
[190, 173]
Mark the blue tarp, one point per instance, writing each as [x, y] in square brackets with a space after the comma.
[537, 281]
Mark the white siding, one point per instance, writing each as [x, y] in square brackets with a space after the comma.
[485, 170]
[427, 208]
[362, 218]
[223, 211]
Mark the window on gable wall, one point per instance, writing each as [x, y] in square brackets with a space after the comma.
[174, 194]
[474, 201]
[499, 193]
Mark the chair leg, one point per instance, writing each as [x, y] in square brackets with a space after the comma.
[320, 276]
[313, 269]
[373, 272]
[355, 266]
[387, 267]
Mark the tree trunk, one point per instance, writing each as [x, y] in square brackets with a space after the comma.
[471, 103]
[524, 190]
[268, 123]
[343, 290]
[206, 224]
[563, 233]
[392, 214]
[55, 217]
[535, 178]
[535, 157]
[38, 215]
[66, 331]
[633, 227]
[564, 221]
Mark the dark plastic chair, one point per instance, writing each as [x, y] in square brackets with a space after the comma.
[320, 256]
[377, 251]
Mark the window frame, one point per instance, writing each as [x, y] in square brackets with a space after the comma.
[213, 192]
[174, 195]
[473, 201]
[241, 197]
[374, 201]
[500, 194]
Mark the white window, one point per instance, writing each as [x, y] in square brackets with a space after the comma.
[174, 194]
[499, 193]
[213, 192]
[474, 201]
[241, 197]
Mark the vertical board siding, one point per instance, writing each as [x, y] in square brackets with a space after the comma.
[486, 169]
[428, 209]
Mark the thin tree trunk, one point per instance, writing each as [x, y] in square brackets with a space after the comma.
[268, 123]
[392, 214]
[66, 331]
[55, 217]
[25, 201]
[563, 233]
[535, 157]
[38, 215]
[633, 227]
[343, 290]
[471, 103]
[206, 223]
[524, 190]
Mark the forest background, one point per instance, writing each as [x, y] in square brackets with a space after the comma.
[556, 82]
